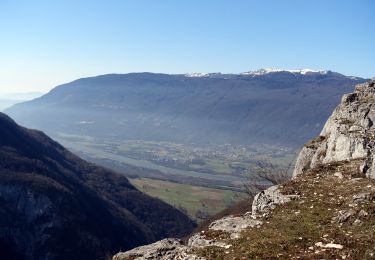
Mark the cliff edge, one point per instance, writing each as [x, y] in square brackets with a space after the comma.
[347, 135]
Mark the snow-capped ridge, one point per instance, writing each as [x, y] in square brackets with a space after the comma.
[266, 71]
[197, 75]
[273, 70]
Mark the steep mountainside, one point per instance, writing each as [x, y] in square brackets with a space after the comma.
[326, 212]
[265, 106]
[54, 205]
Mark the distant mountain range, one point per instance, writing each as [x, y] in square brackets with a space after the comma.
[54, 205]
[272, 106]
[21, 95]
[9, 99]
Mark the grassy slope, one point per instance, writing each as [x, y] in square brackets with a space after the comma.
[192, 198]
[292, 230]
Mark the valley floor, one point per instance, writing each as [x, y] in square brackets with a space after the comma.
[200, 180]
[198, 202]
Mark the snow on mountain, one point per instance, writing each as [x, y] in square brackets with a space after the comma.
[273, 70]
[197, 75]
[257, 72]
[265, 71]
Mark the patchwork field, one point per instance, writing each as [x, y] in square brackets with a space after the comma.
[200, 180]
[198, 202]
[224, 167]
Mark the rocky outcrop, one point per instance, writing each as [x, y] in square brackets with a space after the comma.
[235, 225]
[169, 248]
[267, 200]
[348, 134]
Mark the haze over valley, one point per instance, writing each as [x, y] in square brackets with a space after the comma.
[187, 130]
[9, 99]
[205, 130]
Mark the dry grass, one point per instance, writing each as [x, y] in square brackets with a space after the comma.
[292, 230]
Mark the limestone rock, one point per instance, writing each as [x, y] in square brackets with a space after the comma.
[362, 214]
[166, 249]
[234, 225]
[329, 245]
[343, 216]
[362, 197]
[267, 200]
[199, 241]
[348, 134]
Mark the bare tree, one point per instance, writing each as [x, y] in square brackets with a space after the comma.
[266, 174]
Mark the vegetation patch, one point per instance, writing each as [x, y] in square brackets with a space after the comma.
[198, 202]
[311, 227]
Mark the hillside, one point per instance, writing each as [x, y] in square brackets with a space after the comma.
[277, 107]
[54, 205]
[327, 211]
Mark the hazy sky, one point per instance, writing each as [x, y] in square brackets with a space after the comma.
[46, 43]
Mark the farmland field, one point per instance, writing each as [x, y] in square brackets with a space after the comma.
[199, 202]
[216, 166]
[201, 179]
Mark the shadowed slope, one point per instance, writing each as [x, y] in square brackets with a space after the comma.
[55, 205]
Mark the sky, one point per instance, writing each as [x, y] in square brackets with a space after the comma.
[44, 43]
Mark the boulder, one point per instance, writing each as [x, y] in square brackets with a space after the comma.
[234, 225]
[169, 248]
[268, 199]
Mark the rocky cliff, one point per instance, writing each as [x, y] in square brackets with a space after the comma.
[328, 212]
[348, 134]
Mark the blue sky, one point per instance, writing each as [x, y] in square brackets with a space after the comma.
[44, 43]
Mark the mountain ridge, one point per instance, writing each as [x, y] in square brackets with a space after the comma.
[223, 108]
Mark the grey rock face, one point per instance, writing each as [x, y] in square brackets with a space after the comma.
[199, 241]
[234, 225]
[348, 134]
[169, 248]
[343, 215]
[363, 197]
[267, 200]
